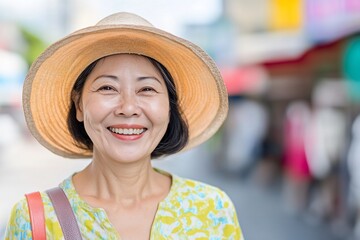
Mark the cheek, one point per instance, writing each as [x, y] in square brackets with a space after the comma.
[159, 110]
[95, 110]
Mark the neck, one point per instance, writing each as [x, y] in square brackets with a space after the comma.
[119, 182]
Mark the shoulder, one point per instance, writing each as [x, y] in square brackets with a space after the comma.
[19, 223]
[199, 190]
[20, 210]
[198, 197]
[19, 226]
[200, 210]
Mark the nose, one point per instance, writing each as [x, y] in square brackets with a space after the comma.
[128, 105]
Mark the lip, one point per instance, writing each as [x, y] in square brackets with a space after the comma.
[137, 126]
[125, 137]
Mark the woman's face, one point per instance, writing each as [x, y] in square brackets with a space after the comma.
[124, 107]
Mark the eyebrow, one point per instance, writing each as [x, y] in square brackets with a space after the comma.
[106, 76]
[117, 79]
[149, 77]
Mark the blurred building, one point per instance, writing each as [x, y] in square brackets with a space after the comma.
[297, 43]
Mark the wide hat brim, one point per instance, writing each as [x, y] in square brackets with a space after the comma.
[46, 95]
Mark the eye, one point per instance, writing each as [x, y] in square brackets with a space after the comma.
[147, 89]
[106, 88]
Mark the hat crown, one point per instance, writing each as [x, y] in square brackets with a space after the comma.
[124, 18]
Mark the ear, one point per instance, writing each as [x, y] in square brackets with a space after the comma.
[76, 98]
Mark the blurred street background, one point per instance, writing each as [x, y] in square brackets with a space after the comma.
[288, 154]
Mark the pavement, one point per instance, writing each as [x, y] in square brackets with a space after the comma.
[25, 166]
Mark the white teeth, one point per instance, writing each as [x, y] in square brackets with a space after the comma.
[127, 131]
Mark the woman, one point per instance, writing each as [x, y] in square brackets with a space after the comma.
[122, 93]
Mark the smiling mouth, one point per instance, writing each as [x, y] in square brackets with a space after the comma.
[127, 131]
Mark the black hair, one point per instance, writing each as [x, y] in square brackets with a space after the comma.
[176, 136]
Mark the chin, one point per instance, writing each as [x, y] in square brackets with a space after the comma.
[130, 157]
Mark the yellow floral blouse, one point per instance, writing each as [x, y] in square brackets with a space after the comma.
[192, 210]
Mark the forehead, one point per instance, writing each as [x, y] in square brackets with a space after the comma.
[128, 61]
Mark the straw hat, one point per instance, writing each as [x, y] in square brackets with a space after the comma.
[46, 96]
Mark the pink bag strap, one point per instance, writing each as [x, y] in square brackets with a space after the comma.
[64, 214]
[37, 216]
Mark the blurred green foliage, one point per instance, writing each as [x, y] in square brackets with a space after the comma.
[35, 45]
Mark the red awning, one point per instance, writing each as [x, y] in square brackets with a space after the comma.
[250, 79]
